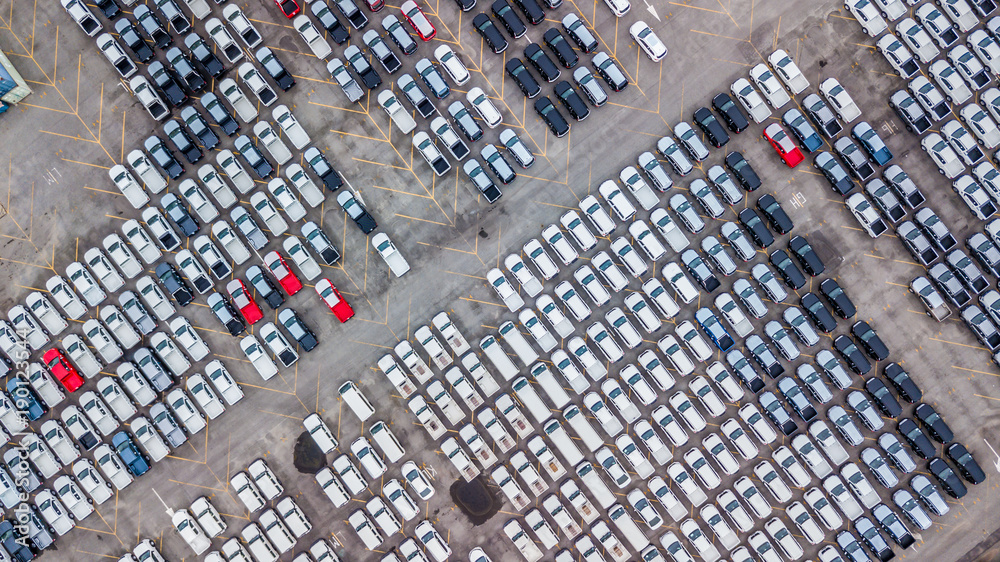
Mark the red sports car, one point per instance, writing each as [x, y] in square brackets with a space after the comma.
[60, 366]
[418, 20]
[241, 298]
[289, 282]
[331, 296]
[290, 8]
[783, 145]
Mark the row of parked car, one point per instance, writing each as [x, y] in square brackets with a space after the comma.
[968, 69]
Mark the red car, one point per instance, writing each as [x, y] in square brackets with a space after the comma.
[375, 5]
[418, 20]
[60, 366]
[783, 145]
[289, 282]
[288, 7]
[331, 296]
[241, 298]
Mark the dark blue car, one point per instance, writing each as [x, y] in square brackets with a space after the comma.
[24, 398]
[872, 143]
[710, 324]
[803, 131]
[134, 461]
[15, 544]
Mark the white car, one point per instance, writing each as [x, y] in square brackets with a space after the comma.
[866, 215]
[598, 217]
[83, 17]
[484, 106]
[943, 155]
[149, 440]
[190, 531]
[654, 289]
[619, 203]
[370, 460]
[113, 51]
[349, 474]
[433, 543]
[593, 287]
[623, 328]
[397, 113]
[917, 39]
[635, 457]
[223, 40]
[59, 442]
[235, 247]
[215, 185]
[791, 466]
[638, 187]
[597, 333]
[751, 100]
[223, 382]
[772, 481]
[761, 429]
[694, 341]
[452, 64]
[541, 259]
[185, 412]
[609, 423]
[65, 297]
[842, 497]
[122, 256]
[693, 533]
[112, 467]
[197, 200]
[252, 79]
[811, 456]
[643, 312]
[208, 517]
[559, 244]
[234, 170]
[54, 513]
[680, 402]
[302, 183]
[260, 360]
[646, 240]
[582, 235]
[711, 515]
[823, 509]
[805, 522]
[699, 464]
[525, 278]
[952, 85]
[127, 184]
[752, 496]
[683, 287]
[314, 40]
[151, 178]
[270, 140]
[651, 45]
[257, 542]
[116, 399]
[610, 271]
[628, 256]
[841, 101]
[781, 535]
[706, 395]
[72, 498]
[91, 481]
[204, 396]
[245, 110]
[165, 235]
[788, 71]
[774, 94]
[678, 358]
[981, 124]
[986, 48]
[101, 340]
[42, 309]
[569, 297]
[400, 500]
[867, 15]
[293, 517]
[683, 480]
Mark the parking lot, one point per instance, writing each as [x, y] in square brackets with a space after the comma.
[80, 121]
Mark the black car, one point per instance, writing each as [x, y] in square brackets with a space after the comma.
[834, 173]
[730, 112]
[548, 112]
[762, 354]
[199, 127]
[135, 43]
[328, 21]
[484, 25]
[297, 329]
[822, 116]
[185, 70]
[109, 8]
[225, 313]
[777, 413]
[851, 547]
[612, 74]
[321, 167]
[219, 114]
[917, 440]
[174, 283]
[561, 47]
[531, 10]
[857, 164]
[201, 52]
[179, 214]
[509, 19]
[716, 134]
[698, 269]
[776, 216]
[869, 340]
[788, 270]
[274, 68]
[164, 81]
[265, 288]
[360, 65]
[353, 14]
[966, 464]
[817, 312]
[182, 141]
[914, 117]
[163, 157]
[466, 5]
[806, 256]
[796, 398]
[542, 63]
[361, 217]
[151, 24]
[837, 298]
[901, 381]
[756, 228]
[933, 423]
[744, 172]
[572, 100]
[883, 399]
[947, 478]
[856, 360]
[873, 539]
[522, 77]
[399, 35]
[253, 156]
[15, 543]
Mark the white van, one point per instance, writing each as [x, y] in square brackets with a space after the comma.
[386, 441]
[544, 377]
[582, 427]
[491, 347]
[557, 434]
[332, 487]
[527, 395]
[417, 366]
[320, 433]
[623, 521]
[595, 484]
[515, 339]
[359, 404]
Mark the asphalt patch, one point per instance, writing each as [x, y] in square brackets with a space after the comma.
[307, 456]
[475, 500]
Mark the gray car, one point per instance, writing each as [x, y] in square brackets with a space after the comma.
[709, 202]
[936, 230]
[929, 495]
[907, 504]
[168, 427]
[579, 33]
[497, 164]
[967, 271]
[865, 411]
[898, 455]
[652, 169]
[344, 79]
[669, 149]
[846, 426]
[137, 312]
[904, 187]
[588, 84]
[399, 35]
[881, 469]
[717, 254]
[980, 324]
[768, 282]
[749, 298]
[378, 47]
[516, 147]
[686, 212]
[916, 242]
[432, 78]
[152, 369]
[737, 240]
[248, 228]
[690, 140]
[786, 346]
[801, 326]
[832, 368]
[466, 122]
[722, 182]
[885, 200]
[814, 383]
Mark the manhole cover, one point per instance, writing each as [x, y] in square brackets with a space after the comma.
[475, 500]
[307, 456]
